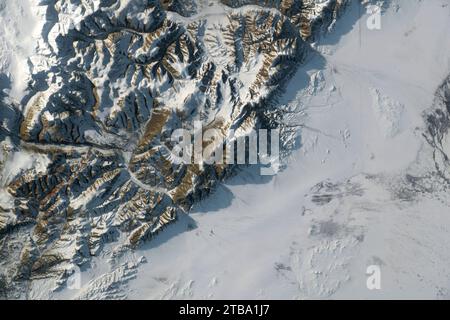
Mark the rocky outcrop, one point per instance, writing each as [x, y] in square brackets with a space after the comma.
[437, 134]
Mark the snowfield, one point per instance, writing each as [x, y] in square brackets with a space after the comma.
[19, 25]
[346, 200]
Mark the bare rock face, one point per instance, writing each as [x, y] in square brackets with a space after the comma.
[438, 133]
[310, 16]
[121, 77]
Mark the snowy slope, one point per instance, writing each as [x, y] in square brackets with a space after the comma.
[19, 29]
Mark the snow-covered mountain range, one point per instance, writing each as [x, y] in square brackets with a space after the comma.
[89, 191]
